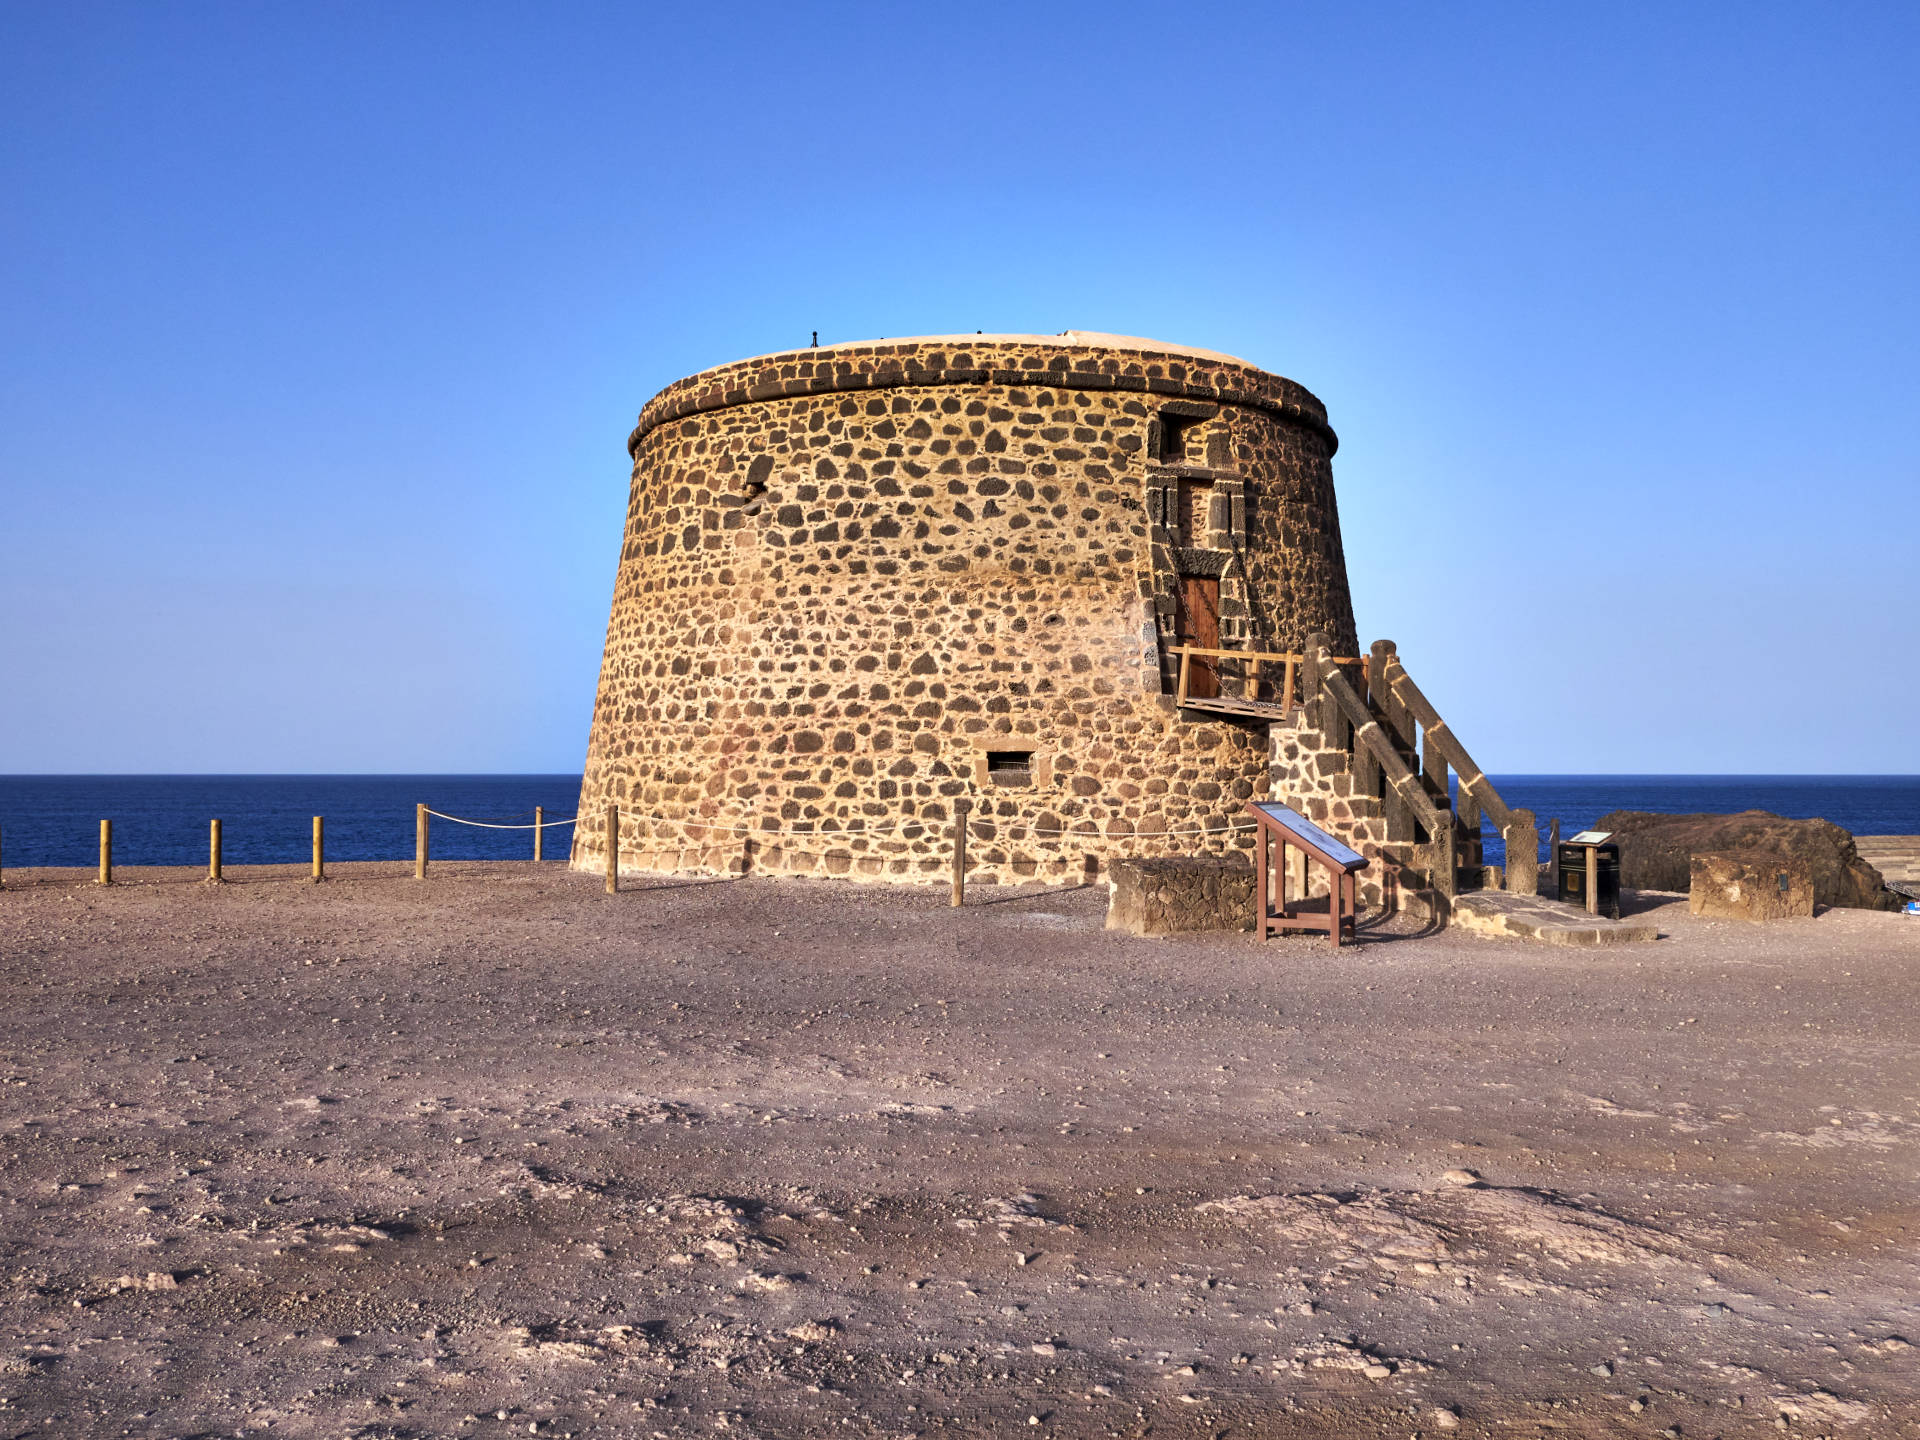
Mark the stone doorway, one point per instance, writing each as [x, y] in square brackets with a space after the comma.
[1199, 625]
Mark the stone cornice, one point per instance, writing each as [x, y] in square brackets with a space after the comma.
[829, 371]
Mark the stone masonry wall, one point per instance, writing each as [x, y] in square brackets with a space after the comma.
[1313, 773]
[859, 583]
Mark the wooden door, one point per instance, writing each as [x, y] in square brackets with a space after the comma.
[1200, 625]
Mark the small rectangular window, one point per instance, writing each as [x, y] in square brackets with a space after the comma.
[1173, 439]
[1010, 767]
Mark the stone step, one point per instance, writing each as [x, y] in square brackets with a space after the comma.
[1534, 917]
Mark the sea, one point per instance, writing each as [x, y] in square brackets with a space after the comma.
[1860, 804]
[267, 819]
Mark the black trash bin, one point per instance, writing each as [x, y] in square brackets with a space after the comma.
[1574, 878]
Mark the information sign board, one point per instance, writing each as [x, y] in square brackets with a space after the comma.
[1309, 833]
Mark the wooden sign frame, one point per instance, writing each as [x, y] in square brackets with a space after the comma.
[1289, 829]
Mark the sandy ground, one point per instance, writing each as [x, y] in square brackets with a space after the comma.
[498, 1154]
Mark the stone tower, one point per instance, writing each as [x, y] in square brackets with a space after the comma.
[861, 581]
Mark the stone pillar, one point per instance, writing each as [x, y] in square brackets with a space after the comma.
[1523, 854]
[1444, 874]
[1393, 720]
[1377, 694]
[1310, 671]
[1434, 765]
[1321, 707]
[1469, 812]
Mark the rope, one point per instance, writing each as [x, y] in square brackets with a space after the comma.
[748, 830]
[1031, 830]
[491, 825]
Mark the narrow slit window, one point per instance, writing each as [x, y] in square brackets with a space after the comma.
[1196, 500]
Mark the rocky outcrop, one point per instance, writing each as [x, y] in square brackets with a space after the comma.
[1749, 885]
[1179, 896]
[1656, 852]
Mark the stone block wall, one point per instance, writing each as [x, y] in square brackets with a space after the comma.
[858, 583]
[1179, 897]
[1312, 772]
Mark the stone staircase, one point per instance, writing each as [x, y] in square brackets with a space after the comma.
[1368, 759]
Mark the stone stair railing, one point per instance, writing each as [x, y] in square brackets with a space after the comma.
[1379, 767]
[1402, 754]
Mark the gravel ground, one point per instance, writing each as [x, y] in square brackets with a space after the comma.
[498, 1153]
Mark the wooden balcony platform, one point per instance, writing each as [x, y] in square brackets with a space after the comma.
[1224, 705]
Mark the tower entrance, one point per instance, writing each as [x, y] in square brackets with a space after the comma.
[1199, 626]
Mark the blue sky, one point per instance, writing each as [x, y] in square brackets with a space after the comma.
[323, 328]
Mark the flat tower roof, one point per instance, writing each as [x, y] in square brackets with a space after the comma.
[1090, 339]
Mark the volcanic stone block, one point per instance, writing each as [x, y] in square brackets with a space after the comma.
[1656, 852]
[1179, 896]
[1749, 885]
[1535, 917]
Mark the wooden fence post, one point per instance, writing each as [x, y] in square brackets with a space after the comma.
[3, 874]
[1261, 861]
[538, 815]
[613, 848]
[419, 842]
[962, 807]
[106, 852]
[213, 853]
[319, 848]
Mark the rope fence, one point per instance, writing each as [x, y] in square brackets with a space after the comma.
[753, 829]
[500, 825]
[986, 828]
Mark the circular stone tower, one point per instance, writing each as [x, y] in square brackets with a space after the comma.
[863, 581]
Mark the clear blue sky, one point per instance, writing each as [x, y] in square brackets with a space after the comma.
[322, 329]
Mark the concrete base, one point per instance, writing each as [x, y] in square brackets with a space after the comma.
[1750, 885]
[1178, 897]
[1534, 917]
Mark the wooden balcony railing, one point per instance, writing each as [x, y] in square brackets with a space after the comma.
[1255, 661]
